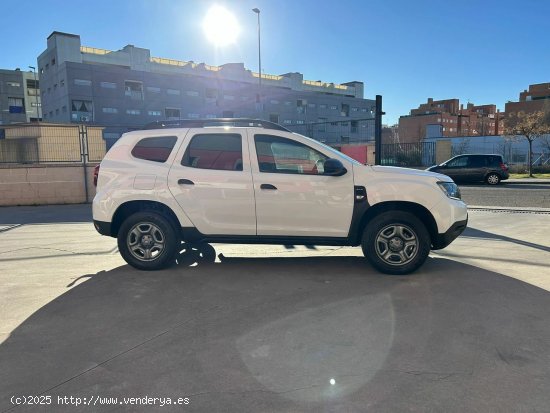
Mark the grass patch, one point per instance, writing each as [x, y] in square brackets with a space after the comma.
[519, 176]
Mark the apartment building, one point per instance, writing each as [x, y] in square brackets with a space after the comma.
[129, 88]
[536, 98]
[449, 118]
[19, 97]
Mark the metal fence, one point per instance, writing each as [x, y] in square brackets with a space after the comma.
[408, 154]
[337, 132]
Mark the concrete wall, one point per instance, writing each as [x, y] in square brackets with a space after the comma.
[45, 184]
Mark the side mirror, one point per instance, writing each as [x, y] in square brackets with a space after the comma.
[333, 167]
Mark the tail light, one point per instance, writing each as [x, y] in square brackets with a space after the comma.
[96, 174]
[503, 166]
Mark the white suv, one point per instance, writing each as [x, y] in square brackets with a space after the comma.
[254, 182]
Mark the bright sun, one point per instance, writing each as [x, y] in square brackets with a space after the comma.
[220, 26]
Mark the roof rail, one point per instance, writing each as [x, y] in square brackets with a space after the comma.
[201, 123]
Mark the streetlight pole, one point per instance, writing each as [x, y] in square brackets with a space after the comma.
[36, 93]
[257, 11]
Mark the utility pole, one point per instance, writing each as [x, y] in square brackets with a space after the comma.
[378, 130]
[259, 98]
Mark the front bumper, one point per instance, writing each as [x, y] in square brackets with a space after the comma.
[442, 240]
[104, 228]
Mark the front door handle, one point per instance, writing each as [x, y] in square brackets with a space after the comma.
[267, 186]
[185, 182]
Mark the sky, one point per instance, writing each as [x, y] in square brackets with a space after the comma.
[478, 51]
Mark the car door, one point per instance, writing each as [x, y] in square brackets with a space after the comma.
[212, 182]
[293, 197]
[477, 167]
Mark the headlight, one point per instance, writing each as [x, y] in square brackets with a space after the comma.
[450, 189]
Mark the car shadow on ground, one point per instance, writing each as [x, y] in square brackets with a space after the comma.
[478, 233]
[288, 334]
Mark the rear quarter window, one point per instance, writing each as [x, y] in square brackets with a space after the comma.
[155, 149]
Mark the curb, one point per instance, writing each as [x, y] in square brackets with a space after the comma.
[526, 182]
[509, 209]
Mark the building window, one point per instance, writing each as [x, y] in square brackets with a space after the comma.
[218, 151]
[322, 124]
[299, 122]
[211, 94]
[16, 105]
[154, 113]
[344, 139]
[311, 105]
[333, 107]
[153, 89]
[229, 97]
[354, 109]
[110, 110]
[354, 125]
[210, 116]
[274, 117]
[38, 104]
[322, 106]
[288, 103]
[174, 92]
[13, 84]
[133, 112]
[363, 109]
[82, 82]
[344, 110]
[108, 85]
[192, 93]
[156, 149]
[301, 106]
[53, 61]
[133, 89]
[287, 122]
[274, 102]
[172, 113]
[193, 115]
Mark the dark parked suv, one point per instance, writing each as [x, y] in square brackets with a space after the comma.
[474, 168]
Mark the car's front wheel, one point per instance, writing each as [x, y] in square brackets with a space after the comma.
[396, 242]
[147, 241]
[493, 179]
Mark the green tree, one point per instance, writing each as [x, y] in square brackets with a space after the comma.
[530, 126]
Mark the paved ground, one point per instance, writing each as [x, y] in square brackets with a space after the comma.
[276, 329]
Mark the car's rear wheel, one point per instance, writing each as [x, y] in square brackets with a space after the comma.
[147, 241]
[493, 179]
[396, 242]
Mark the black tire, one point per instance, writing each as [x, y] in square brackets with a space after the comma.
[389, 231]
[492, 179]
[144, 232]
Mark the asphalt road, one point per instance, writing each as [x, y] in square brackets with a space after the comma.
[507, 195]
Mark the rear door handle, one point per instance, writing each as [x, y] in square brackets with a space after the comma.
[185, 182]
[267, 186]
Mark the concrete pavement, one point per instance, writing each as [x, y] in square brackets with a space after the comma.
[269, 328]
